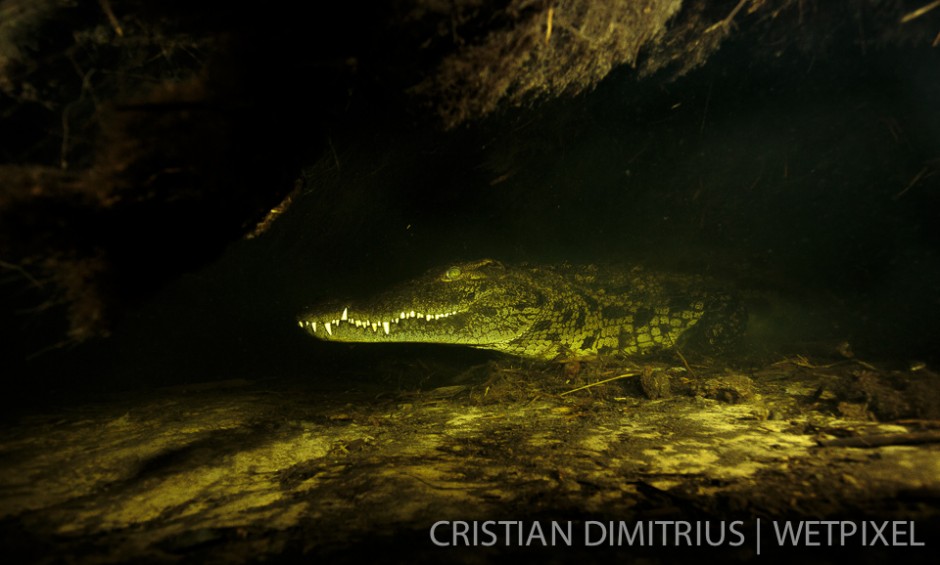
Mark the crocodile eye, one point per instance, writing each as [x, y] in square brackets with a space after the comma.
[452, 274]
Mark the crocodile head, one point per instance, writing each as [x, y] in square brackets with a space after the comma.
[481, 304]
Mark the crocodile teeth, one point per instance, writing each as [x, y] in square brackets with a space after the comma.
[411, 314]
[358, 324]
[403, 315]
[345, 312]
[314, 324]
[375, 327]
[385, 327]
[427, 317]
[328, 329]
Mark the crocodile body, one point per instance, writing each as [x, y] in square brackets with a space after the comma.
[540, 312]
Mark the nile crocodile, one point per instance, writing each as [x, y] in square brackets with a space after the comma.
[540, 312]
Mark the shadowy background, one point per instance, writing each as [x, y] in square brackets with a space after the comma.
[803, 171]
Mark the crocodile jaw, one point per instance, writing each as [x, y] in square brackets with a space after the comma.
[358, 325]
[486, 328]
[480, 304]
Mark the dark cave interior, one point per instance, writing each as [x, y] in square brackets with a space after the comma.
[147, 280]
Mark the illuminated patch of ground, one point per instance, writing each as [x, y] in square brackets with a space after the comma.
[248, 470]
